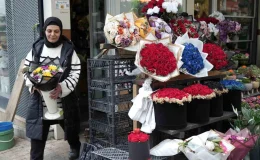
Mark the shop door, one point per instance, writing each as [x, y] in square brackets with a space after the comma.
[80, 38]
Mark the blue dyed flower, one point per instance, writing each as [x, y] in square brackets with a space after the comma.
[192, 60]
[232, 85]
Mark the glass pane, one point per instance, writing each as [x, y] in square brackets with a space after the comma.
[202, 8]
[4, 74]
[236, 7]
[98, 21]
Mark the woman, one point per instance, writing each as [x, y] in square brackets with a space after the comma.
[54, 44]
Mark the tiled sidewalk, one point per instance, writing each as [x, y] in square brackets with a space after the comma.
[54, 150]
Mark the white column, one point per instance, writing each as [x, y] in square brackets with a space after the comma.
[190, 7]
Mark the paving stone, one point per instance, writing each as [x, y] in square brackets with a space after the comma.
[54, 150]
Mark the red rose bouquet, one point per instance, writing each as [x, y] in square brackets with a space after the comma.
[171, 95]
[199, 91]
[161, 62]
[181, 25]
[139, 148]
[158, 60]
[216, 55]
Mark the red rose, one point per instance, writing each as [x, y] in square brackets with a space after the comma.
[181, 26]
[216, 56]
[138, 136]
[198, 89]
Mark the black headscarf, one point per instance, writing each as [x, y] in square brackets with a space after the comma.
[53, 21]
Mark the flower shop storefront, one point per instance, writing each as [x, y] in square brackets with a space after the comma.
[168, 83]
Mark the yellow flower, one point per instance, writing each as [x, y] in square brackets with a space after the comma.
[52, 68]
[47, 74]
[37, 70]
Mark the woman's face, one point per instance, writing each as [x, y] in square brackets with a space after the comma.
[52, 33]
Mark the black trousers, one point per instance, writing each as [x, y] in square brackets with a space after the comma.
[37, 146]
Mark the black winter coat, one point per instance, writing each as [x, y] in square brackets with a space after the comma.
[34, 118]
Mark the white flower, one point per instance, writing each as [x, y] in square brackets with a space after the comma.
[213, 29]
[153, 10]
[170, 6]
[156, 9]
[150, 11]
[210, 145]
[218, 15]
[113, 33]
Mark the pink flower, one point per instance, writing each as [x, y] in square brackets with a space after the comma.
[223, 147]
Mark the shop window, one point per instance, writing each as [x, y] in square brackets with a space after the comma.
[237, 7]
[4, 72]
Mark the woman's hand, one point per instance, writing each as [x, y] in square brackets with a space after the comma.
[56, 92]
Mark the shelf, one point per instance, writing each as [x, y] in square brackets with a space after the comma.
[251, 95]
[184, 78]
[190, 126]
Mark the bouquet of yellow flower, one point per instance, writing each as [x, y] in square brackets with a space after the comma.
[46, 75]
[45, 72]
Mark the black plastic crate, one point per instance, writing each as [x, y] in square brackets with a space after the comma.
[109, 108]
[108, 87]
[110, 70]
[109, 97]
[110, 119]
[104, 140]
[103, 126]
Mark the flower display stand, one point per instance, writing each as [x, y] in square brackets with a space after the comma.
[181, 80]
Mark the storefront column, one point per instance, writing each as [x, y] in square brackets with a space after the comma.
[190, 7]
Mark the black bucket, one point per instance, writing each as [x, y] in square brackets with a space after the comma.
[216, 106]
[232, 97]
[198, 111]
[170, 115]
[139, 151]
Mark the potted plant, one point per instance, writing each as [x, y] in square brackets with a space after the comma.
[230, 75]
[216, 103]
[241, 58]
[233, 97]
[199, 108]
[248, 84]
[170, 105]
[255, 83]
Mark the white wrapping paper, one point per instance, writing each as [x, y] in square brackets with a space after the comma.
[175, 49]
[142, 109]
[195, 149]
[199, 44]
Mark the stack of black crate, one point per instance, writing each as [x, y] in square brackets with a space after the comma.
[110, 95]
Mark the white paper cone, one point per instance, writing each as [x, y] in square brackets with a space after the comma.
[50, 103]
